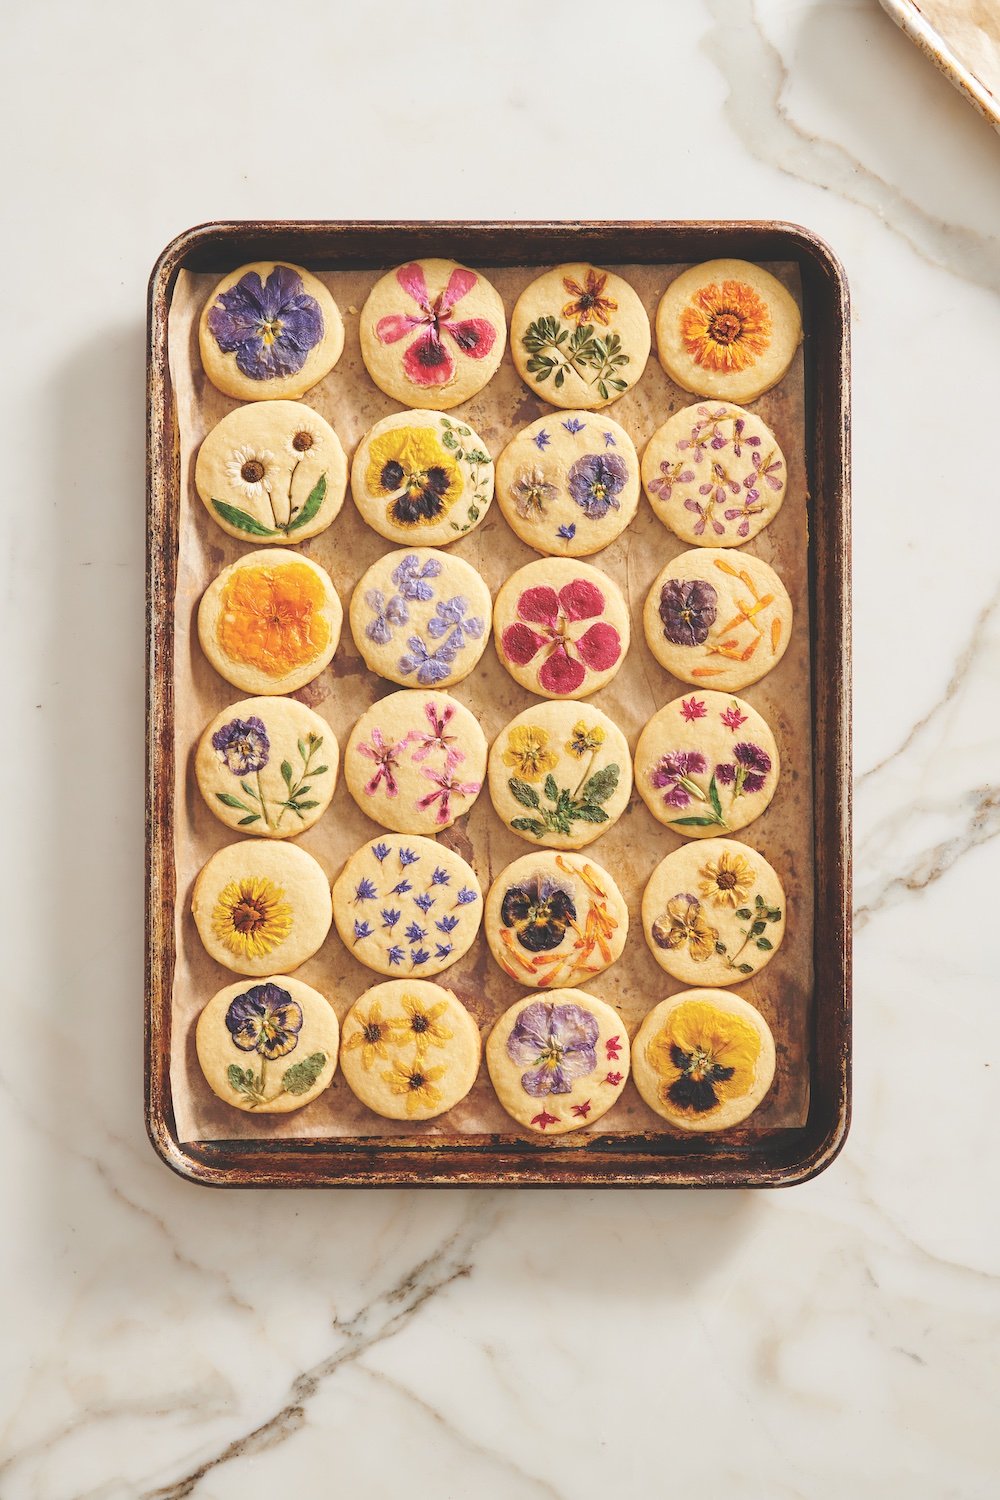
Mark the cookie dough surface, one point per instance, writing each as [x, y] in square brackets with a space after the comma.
[416, 761]
[703, 1060]
[421, 617]
[261, 907]
[579, 336]
[561, 627]
[555, 919]
[411, 1050]
[268, 1048]
[419, 476]
[269, 331]
[267, 765]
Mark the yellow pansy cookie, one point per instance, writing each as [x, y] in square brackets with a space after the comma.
[422, 477]
[703, 1059]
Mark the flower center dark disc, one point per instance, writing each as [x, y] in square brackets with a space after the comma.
[302, 442]
[725, 880]
[253, 471]
[373, 1032]
[416, 1081]
[248, 915]
[725, 328]
[419, 1023]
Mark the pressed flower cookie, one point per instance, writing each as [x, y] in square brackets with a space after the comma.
[561, 627]
[261, 907]
[579, 336]
[407, 906]
[415, 761]
[270, 1047]
[269, 330]
[713, 912]
[432, 333]
[272, 470]
[714, 474]
[421, 618]
[411, 1050]
[716, 619]
[421, 476]
[270, 622]
[268, 764]
[554, 919]
[558, 1063]
[706, 765]
[569, 485]
[704, 1059]
[727, 329]
[560, 774]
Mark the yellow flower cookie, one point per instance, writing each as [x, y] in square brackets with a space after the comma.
[421, 618]
[268, 765]
[268, 1048]
[416, 761]
[555, 919]
[704, 1060]
[579, 336]
[411, 1050]
[727, 329]
[561, 627]
[422, 477]
[558, 1062]
[269, 330]
[261, 907]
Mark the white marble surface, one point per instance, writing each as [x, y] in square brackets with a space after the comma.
[165, 1341]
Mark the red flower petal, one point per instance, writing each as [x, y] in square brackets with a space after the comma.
[581, 599]
[540, 605]
[520, 643]
[427, 361]
[411, 279]
[395, 327]
[562, 673]
[475, 336]
[600, 646]
[459, 282]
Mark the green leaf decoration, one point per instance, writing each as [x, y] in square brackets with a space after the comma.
[694, 822]
[449, 440]
[231, 801]
[551, 788]
[477, 456]
[253, 818]
[528, 825]
[720, 947]
[286, 772]
[589, 812]
[311, 506]
[745, 968]
[300, 1077]
[302, 750]
[774, 914]
[758, 900]
[301, 806]
[744, 913]
[713, 796]
[523, 793]
[765, 943]
[249, 790]
[757, 928]
[319, 771]
[241, 520]
[243, 1081]
[601, 785]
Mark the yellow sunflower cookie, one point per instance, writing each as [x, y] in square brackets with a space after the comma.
[555, 919]
[704, 1060]
[713, 912]
[269, 330]
[422, 477]
[416, 761]
[560, 774]
[261, 907]
[270, 622]
[268, 1048]
[559, 1063]
[727, 329]
[718, 620]
[411, 1050]
[273, 470]
[267, 764]
[421, 618]
[561, 627]
[579, 336]
[432, 333]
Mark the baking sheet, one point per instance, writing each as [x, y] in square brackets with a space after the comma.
[630, 850]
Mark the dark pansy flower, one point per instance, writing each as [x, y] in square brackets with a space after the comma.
[270, 327]
[595, 483]
[688, 608]
[558, 1045]
[265, 1019]
[538, 913]
[425, 497]
[242, 745]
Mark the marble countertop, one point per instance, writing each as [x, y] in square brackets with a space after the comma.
[161, 1341]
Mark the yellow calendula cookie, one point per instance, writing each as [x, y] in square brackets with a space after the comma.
[555, 919]
[422, 477]
[559, 1063]
[561, 627]
[267, 765]
[274, 471]
[560, 774]
[269, 330]
[727, 329]
[579, 336]
[407, 906]
[270, 622]
[718, 620]
[268, 1048]
[706, 765]
[421, 618]
[261, 907]
[713, 912]
[569, 485]
[704, 1060]
[411, 1050]
[714, 474]
[432, 333]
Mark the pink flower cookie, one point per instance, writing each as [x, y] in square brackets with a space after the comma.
[416, 761]
[561, 627]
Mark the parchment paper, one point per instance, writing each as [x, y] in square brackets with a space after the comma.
[630, 850]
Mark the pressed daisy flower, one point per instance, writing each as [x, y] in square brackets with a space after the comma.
[271, 618]
[584, 739]
[726, 327]
[417, 1083]
[303, 440]
[589, 303]
[411, 466]
[528, 752]
[250, 471]
[371, 1037]
[422, 1024]
[727, 881]
[683, 925]
[250, 917]
[704, 1057]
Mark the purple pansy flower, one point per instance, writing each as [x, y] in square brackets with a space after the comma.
[687, 609]
[595, 483]
[749, 772]
[265, 1019]
[673, 773]
[558, 1041]
[242, 745]
[270, 327]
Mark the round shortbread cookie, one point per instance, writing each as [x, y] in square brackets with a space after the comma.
[261, 906]
[727, 329]
[713, 912]
[415, 761]
[558, 1063]
[269, 331]
[714, 474]
[706, 765]
[268, 1048]
[568, 486]
[270, 622]
[421, 618]
[703, 1059]
[418, 476]
[411, 1050]
[560, 774]
[555, 919]
[274, 471]
[269, 764]
[407, 906]
[432, 333]
[718, 620]
[561, 627]
[579, 336]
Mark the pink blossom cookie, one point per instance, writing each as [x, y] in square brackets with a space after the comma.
[416, 761]
[561, 627]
